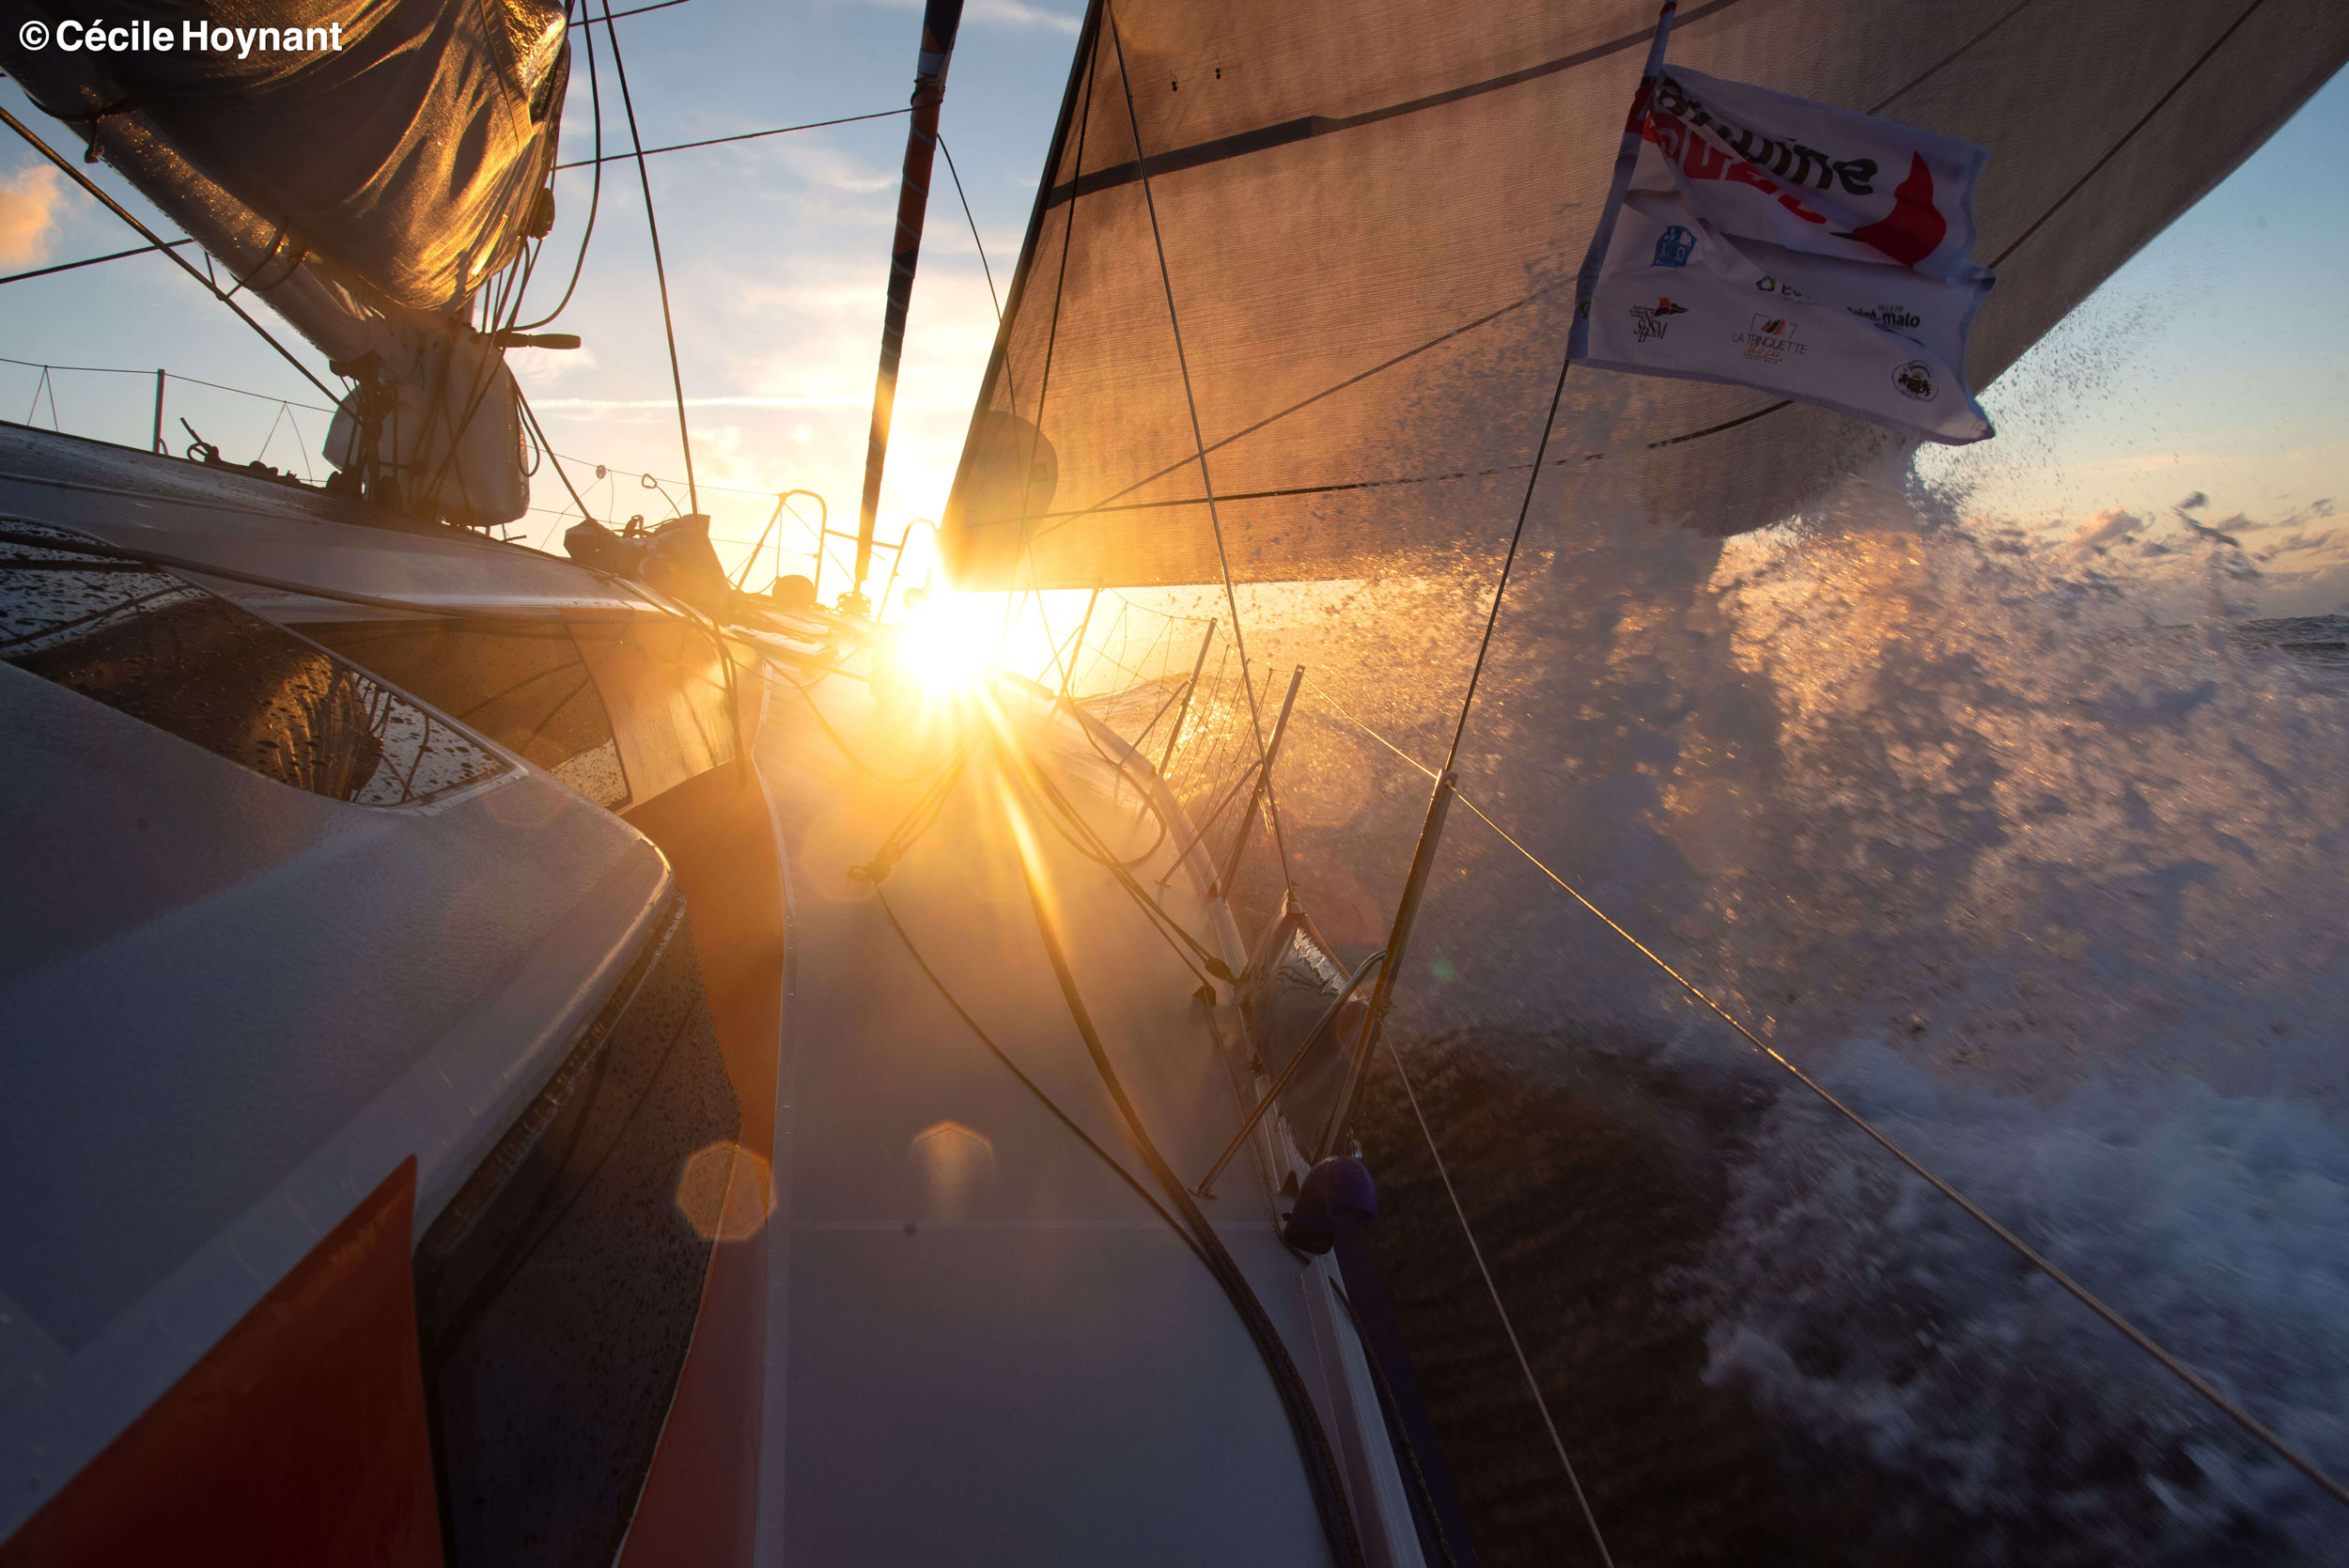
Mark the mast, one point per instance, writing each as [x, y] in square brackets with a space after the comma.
[938, 24]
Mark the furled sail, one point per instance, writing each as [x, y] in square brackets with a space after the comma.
[363, 166]
[1368, 216]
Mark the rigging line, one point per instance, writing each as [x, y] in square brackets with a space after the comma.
[539, 430]
[1199, 441]
[1508, 564]
[1163, 614]
[2080, 1293]
[659, 272]
[919, 818]
[611, 15]
[1173, 693]
[1313, 1443]
[1029, 1084]
[1531, 1383]
[1724, 425]
[1030, 775]
[157, 242]
[594, 191]
[1226, 731]
[503, 307]
[1118, 768]
[625, 473]
[1344, 712]
[2130, 133]
[1060, 281]
[92, 261]
[1383, 366]
[722, 141]
[1088, 54]
[110, 369]
[1246, 775]
[975, 240]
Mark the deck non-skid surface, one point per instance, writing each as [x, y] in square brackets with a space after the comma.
[984, 1347]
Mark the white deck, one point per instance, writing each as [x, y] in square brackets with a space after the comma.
[1031, 1369]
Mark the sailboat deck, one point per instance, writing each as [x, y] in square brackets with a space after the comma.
[984, 1347]
[958, 1335]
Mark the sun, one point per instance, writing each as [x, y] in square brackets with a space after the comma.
[947, 642]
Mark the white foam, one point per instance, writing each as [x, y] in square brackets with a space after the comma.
[2053, 889]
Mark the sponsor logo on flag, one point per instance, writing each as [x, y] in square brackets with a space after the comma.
[1650, 320]
[1672, 247]
[1772, 339]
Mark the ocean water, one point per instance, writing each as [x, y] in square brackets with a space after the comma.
[2034, 852]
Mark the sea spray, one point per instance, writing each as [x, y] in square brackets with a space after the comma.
[2044, 873]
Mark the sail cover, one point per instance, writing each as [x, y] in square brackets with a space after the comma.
[401, 141]
[1370, 214]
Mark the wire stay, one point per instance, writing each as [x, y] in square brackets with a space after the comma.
[2219, 1401]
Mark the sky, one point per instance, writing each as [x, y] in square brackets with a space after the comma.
[2216, 362]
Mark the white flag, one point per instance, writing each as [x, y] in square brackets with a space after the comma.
[1794, 247]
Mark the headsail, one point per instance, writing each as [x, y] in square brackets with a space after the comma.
[1371, 213]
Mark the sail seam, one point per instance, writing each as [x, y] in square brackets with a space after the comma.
[1266, 137]
[2130, 134]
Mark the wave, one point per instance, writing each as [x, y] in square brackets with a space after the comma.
[2042, 873]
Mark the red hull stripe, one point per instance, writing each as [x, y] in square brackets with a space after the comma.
[298, 1440]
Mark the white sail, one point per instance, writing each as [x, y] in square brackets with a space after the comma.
[1371, 214]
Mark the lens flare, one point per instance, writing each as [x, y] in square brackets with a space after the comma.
[725, 1192]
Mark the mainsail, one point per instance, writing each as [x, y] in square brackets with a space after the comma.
[363, 166]
[1370, 214]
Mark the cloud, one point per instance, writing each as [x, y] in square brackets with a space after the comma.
[28, 211]
[543, 368]
[2106, 528]
[810, 400]
[1007, 13]
[1012, 13]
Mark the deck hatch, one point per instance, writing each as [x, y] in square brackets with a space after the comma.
[151, 644]
[521, 682]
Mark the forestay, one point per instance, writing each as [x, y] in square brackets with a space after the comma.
[1371, 213]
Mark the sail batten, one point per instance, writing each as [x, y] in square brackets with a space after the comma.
[1371, 217]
